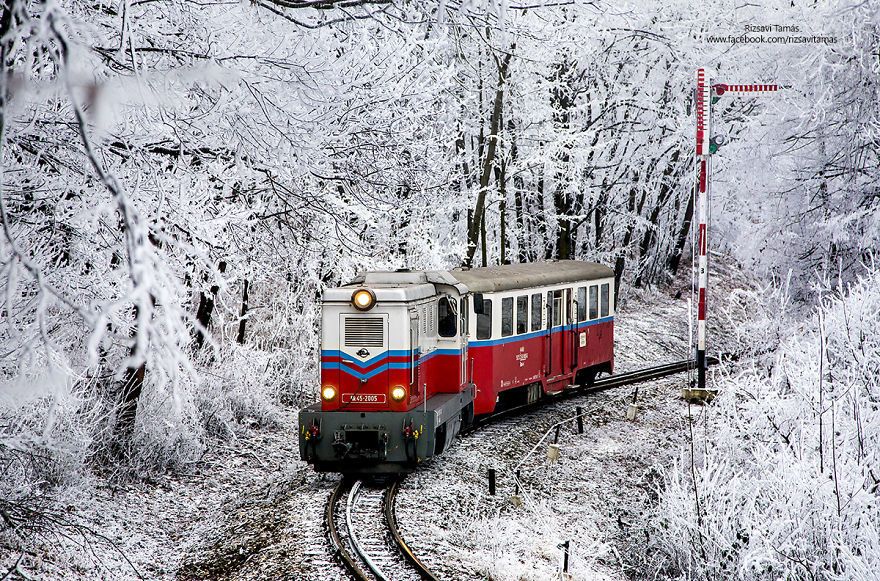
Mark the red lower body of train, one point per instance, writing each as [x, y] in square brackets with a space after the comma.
[357, 438]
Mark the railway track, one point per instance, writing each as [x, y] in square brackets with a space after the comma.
[363, 532]
[360, 517]
[620, 380]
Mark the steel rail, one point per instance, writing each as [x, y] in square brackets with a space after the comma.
[352, 498]
[623, 379]
[351, 562]
[339, 549]
[354, 559]
[391, 523]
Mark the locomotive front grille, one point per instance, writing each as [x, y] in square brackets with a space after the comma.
[364, 332]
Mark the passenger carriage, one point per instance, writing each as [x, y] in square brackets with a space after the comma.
[409, 358]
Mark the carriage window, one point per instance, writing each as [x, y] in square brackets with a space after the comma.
[594, 302]
[445, 318]
[557, 308]
[536, 312]
[522, 315]
[582, 303]
[484, 320]
[507, 317]
[605, 301]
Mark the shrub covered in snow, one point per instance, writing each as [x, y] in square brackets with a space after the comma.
[785, 480]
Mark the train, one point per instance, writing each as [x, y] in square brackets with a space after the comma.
[411, 358]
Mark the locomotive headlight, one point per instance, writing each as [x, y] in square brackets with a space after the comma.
[363, 299]
[328, 393]
[398, 392]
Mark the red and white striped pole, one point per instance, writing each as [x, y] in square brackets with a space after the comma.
[704, 127]
[706, 146]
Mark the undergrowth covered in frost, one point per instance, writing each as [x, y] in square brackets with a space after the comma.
[785, 481]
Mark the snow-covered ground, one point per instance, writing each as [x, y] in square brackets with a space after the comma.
[600, 489]
[254, 510]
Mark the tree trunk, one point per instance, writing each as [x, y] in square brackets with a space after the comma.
[132, 387]
[501, 179]
[477, 225]
[131, 394]
[404, 192]
[599, 214]
[521, 233]
[662, 197]
[206, 309]
[244, 310]
[484, 253]
[620, 263]
[541, 224]
[561, 102]
[675, 257]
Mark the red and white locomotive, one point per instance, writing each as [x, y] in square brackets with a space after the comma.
[409, 358]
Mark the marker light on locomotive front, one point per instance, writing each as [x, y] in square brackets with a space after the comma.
[409, 358]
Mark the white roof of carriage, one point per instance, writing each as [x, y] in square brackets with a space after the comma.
[488, 279]
[529, 275]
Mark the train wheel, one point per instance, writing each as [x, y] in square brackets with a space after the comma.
[467, 415]
[534, 393]
[586, 376]
[440, 440]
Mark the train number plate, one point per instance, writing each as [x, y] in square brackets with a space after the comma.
[363, 398]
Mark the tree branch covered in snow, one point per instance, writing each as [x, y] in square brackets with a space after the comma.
[179, 181]
[788, 483]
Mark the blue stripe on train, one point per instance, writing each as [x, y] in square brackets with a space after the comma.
[368, 362]
[344, 365]
[525, 336]
[369, 374]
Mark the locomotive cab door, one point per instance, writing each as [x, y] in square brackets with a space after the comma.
[463, 336]
[414, 343]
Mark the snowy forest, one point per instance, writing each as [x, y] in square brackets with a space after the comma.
[180, 180]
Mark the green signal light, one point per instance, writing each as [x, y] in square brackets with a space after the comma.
[715, 142]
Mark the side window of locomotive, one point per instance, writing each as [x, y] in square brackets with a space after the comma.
[557, 308]
[594, 302]
[605, 301]
[445, 318]
[522, 315]
[582, 304]
[484, 320]
[507, 317]
[537, 304]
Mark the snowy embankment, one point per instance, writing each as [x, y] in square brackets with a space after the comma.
[601, 493]
[787, 480]
[771, 502]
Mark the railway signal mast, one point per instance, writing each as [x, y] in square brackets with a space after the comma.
[707, 144]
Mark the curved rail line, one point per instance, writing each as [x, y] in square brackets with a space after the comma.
[363, 566]
[609, 382]
[391, 521]
[360, 560]
[339, 550]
